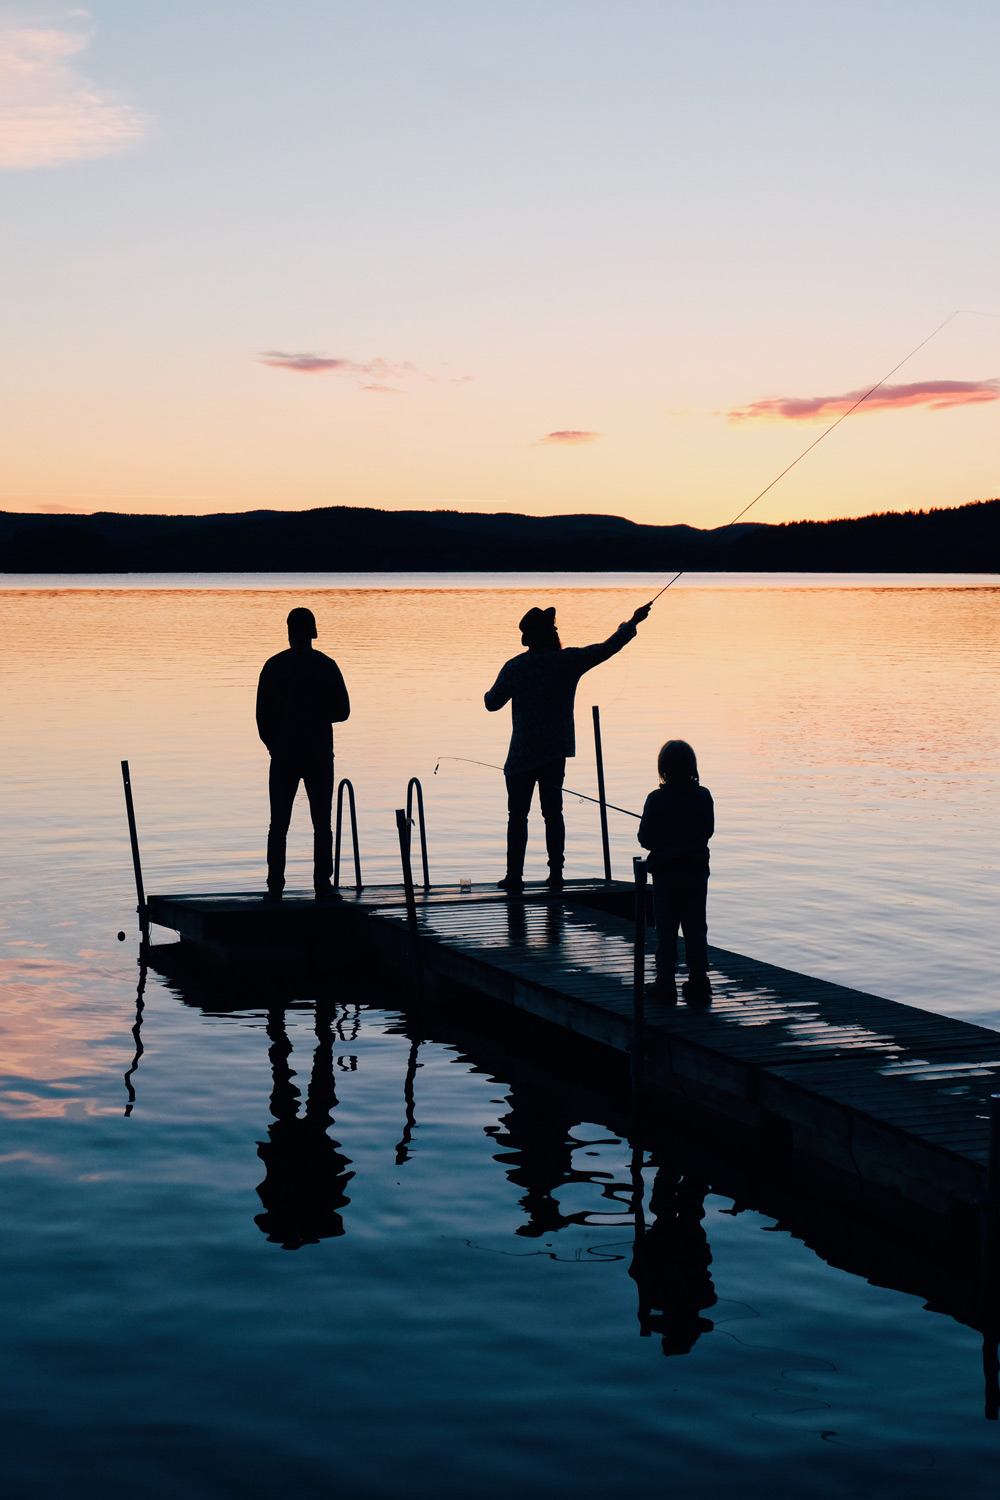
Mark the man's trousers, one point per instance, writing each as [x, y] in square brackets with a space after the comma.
[520, 789]
[283, 782]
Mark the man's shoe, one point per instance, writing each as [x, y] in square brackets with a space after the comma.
[555, 881]
[512, 884]
[272, 894]
[697, 990]
[664, 990]
[327, 893]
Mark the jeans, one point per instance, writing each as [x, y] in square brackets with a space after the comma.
[679, 900]
[520, 789]
[282, 784]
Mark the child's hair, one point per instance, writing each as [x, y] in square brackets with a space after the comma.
[677, 764]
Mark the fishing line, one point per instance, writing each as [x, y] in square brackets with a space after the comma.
[826, 432]
[489, 766]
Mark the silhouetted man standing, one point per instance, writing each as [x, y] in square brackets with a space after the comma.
[540, 686]
[300, 696]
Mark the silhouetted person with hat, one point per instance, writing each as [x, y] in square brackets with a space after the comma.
[540, 686]
[300, 696]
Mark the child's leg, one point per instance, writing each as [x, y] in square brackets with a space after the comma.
[667, 917]
[695, 926]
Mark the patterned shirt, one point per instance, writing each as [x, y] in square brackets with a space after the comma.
[540, 686]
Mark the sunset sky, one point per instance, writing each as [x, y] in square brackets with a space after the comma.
[532, 255]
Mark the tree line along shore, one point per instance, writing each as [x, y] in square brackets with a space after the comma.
[959, 539]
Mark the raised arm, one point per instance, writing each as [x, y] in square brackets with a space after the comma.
[592, 656]
[499, 693]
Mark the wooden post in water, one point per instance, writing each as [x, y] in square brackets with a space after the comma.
[136, 866]
[602, 795]
[639, 972]
[403, 828]
[991, 1267]
[991, 1207]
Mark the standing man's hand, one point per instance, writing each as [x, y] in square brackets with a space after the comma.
[640, 614]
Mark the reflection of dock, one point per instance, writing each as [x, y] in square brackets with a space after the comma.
[890, 1095]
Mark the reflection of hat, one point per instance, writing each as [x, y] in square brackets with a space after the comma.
[302, 624]
[538, 619]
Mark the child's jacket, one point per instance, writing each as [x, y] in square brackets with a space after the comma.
[677, 823]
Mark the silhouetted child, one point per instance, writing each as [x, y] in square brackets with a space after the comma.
[677, 822]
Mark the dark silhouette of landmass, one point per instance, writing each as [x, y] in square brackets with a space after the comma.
[342, 539]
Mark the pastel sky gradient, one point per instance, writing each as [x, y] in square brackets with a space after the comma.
[534, 255]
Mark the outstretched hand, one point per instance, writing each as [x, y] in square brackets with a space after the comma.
[641, 614]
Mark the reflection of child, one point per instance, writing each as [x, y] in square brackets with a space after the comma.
[677, 822]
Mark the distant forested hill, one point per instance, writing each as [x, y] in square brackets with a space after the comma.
[346, 539]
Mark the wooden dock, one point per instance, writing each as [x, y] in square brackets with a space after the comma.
[896, 1097]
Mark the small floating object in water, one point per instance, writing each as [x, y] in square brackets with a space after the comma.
[121, 937]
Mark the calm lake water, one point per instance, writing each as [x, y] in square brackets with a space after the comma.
[328, 1253]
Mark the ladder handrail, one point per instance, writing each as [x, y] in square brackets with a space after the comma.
[413, 782]
[354, 835]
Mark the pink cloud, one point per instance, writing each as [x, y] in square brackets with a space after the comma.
[936, 395]
[568, 435]
[50, 112]
[311, 364]
[377, 370]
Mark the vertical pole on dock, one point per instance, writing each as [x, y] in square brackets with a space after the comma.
[137, 867]
[991, 1266]
[602, 795]
[991, 1207]
[639, 972]
[403, 829]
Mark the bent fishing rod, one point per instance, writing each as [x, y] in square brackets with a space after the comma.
[489, 766]
[826, 433]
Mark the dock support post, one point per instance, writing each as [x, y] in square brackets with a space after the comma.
[403, 829]
[141, 908]
[602, 795]
[991, 1266]
[639, 973]
[991, 1207]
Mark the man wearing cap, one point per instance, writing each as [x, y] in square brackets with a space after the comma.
[300, 696]
[540, 686]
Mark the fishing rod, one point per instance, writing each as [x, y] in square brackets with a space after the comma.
[489, 766]
[826, 432]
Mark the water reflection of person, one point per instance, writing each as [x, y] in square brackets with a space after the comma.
[671, 1262]
[300, 696]
[538, 1157]
[305, 1172]
[540, 685]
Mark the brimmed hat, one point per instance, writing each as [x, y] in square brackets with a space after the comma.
[537, 620]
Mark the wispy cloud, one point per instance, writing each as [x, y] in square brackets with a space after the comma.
[567, 436]
[309, 364]
[50, 113]
[378, 371]
[936, 395]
